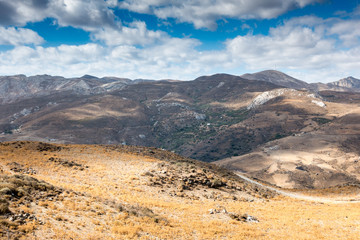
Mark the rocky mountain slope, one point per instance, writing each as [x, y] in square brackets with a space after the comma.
[277, 78]
[19, 87]
[188, 117]
[323, 154]
[56, 191]
[211, 118]
[349, 84]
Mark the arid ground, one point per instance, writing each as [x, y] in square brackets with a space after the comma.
[120, 192]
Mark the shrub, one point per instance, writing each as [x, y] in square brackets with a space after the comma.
[4, 207]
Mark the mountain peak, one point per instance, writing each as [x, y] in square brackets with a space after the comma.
[349, 82]
[89, 76]
[278, 78]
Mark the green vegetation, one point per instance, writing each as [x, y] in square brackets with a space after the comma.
[8, 131]
[321, 121]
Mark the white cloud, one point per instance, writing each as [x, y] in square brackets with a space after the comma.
[136, 34]
[158, 61]
[85, 14]
[205, 13]
[347, 32]
[306, 47]
[301, 45]
[19, 36]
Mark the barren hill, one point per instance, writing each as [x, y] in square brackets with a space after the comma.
[188, 117]
[210, 118]
[325, 153]
[53, 191]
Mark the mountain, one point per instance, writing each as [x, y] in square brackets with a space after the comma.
[19, 87]
[277, 78]
[349, 83]
[210, 118]
[179, 116]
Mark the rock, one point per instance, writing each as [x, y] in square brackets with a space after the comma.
[249, 218]
[243, 218]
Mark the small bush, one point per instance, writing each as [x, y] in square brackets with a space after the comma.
[4, 207]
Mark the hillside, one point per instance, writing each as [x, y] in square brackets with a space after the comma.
[187, 117]
[324, 154]
[53, 191]
[209, 119]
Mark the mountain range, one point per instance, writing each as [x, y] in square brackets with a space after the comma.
[242, 122]
[18, 87]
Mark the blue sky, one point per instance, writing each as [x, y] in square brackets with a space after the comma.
[313, 40]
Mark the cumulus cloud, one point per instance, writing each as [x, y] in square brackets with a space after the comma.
[136, 34]
[157, 61]
[7, 13]
[85, 14]
[205, 13]
[307, 43]
[299, 44]
[294, 46]
[19, 36]
[347, 33]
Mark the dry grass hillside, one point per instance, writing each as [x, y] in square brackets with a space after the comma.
[120, 192]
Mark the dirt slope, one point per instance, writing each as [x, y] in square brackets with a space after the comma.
[109, 192]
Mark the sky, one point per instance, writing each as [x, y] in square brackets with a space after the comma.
[312, 40]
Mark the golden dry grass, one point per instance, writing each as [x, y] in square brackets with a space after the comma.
[112, 198]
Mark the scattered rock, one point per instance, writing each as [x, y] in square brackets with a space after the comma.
[22, 217]
[218, 210]
[243, 218]
[19, 168]
[48, 147]
[67, 163]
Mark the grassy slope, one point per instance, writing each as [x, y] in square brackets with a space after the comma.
[106, 192]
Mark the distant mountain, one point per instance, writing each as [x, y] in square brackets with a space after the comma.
[277, 78]
[18, 87]
[349, 82]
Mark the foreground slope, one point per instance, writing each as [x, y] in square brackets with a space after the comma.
[110, 192]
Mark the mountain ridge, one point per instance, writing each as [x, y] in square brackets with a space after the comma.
[17, 87]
